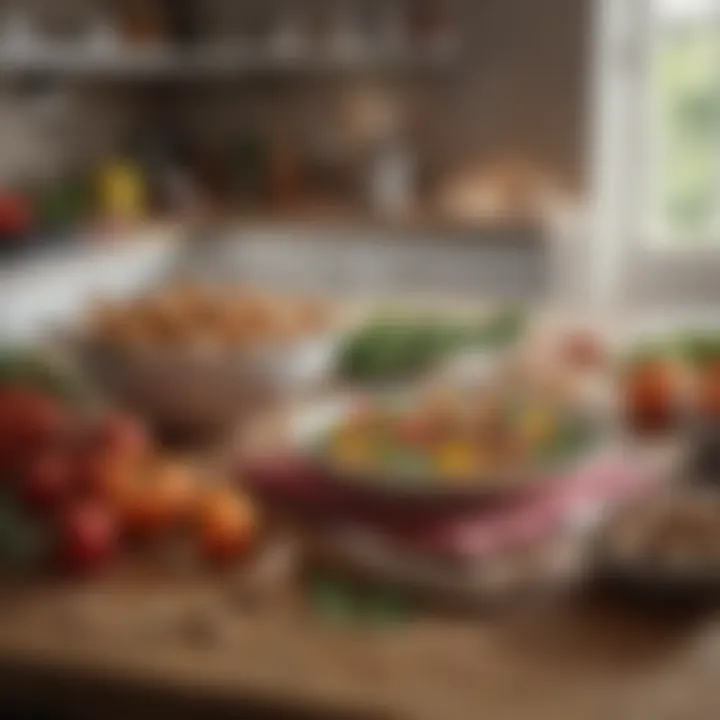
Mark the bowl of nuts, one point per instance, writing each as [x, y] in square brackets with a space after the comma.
[200, 357]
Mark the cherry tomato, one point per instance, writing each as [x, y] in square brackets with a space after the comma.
[226, 525]
[87, 536]
[30, 422]
[161, 498]
[98, 473]
[47, 481]
[121, 435]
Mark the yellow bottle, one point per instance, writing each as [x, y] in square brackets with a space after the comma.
[122, 191]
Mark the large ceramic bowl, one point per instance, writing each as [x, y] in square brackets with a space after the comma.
[308, 427]
[195, 391]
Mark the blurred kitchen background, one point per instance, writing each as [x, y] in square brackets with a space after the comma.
[362, 145]
[421, 124]
[199, 199]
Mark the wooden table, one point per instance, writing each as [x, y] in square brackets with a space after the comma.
[565, 659]
[115, 649]
[560, 659]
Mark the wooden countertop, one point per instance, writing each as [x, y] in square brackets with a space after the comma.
[189, 641]
[563, 659]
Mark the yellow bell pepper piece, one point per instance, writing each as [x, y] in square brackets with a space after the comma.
[456, 459]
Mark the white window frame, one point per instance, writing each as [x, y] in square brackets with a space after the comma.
[625, 264]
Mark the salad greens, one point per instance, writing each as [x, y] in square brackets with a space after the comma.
[393, 348]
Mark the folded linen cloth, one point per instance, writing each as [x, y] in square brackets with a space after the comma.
[464, 529]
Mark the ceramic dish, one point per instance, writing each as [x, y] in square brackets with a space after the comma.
[197, 390]
[665, 552]
[310, 432]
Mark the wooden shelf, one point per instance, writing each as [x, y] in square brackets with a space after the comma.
[212, 61]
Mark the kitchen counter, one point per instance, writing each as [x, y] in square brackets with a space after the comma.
[136, 644]
[118, 648]
[562, 660]
[49, 287]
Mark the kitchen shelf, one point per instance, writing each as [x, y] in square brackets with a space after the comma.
[213, 61]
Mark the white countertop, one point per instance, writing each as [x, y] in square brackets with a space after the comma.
[50, 287]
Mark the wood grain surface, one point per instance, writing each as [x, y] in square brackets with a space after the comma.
[560, 659]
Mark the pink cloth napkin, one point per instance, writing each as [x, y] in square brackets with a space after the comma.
[457, 529]
[578, 499]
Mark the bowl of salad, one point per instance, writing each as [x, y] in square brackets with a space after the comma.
[446, 443]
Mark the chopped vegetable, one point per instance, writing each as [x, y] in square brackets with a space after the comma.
[471, 437]
[456, 458]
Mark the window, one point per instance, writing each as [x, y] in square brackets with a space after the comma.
[655, 192]
[680, 131]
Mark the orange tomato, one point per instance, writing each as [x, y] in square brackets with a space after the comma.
[100, 473]
[226, 524]
[161, 498]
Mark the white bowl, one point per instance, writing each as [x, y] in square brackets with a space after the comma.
[208, 390]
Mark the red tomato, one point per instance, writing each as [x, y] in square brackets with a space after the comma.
[29, 421]
[652, 396]
[47, 480]
[8, 445]
[121, 435]
[87, 536]
[100, 474]
[44, 420]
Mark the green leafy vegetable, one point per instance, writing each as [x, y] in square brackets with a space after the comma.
[392, 348]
